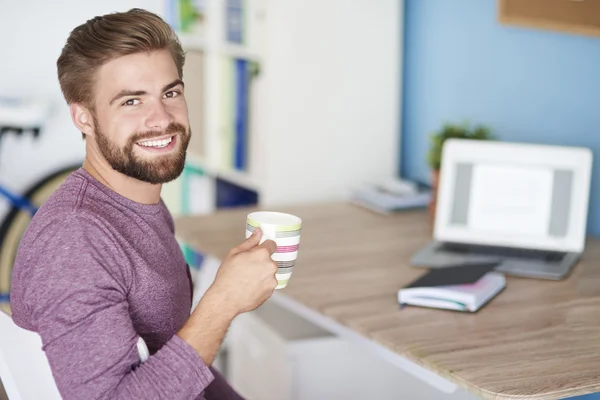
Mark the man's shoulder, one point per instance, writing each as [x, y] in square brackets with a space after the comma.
[67, 209]
[67, 242]
[66, 198]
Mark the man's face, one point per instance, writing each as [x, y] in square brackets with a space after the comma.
[141, 118]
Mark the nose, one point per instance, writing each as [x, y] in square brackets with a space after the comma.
[159, 117]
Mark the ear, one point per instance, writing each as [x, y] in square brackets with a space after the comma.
[82, 118]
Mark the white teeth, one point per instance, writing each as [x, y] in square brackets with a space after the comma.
[156, 143]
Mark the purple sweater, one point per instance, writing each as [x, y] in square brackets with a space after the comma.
[94, 272]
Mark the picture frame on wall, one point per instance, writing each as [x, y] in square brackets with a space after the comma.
[580, 17]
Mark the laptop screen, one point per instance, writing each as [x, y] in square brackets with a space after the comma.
[491, 197]
[509, 194]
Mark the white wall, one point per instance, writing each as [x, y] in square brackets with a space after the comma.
[32, 34]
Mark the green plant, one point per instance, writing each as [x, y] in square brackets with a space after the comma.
[463, 131]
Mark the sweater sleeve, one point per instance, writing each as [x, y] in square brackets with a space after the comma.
[220, 389]
[72, 289]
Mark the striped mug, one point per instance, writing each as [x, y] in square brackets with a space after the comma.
[284, 230]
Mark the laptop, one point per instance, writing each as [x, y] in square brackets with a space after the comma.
[524, 206]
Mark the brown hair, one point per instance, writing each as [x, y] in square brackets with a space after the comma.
[105, 38]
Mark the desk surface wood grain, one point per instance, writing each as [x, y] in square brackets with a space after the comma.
[537, 339]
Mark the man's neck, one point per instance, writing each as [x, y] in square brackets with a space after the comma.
[133, 189]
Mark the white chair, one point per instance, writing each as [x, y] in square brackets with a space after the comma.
[24, 368]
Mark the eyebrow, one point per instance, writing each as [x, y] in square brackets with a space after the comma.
[126, 92]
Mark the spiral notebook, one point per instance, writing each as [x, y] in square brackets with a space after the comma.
[460, 288]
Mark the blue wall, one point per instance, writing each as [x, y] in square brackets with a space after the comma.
[527, 85]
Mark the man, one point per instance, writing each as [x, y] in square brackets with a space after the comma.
[99, 266]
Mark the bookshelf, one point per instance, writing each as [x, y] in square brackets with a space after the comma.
[289, 101]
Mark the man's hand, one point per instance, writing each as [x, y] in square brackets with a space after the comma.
[246, 278]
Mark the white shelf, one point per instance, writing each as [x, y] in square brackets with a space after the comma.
[239, 178]
[324, 110]
[192, 42]
[239, 51]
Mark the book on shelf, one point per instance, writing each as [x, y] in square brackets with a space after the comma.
[244, 22]
[193, 75]
[226, 141]
[234, 25]
[230, 195]
[237, 84]
[197, 191]
[242, 75]
[460, 288]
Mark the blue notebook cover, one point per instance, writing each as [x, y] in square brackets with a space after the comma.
[241, 114]
[234, 21]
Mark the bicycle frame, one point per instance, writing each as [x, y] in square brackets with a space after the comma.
[18, 201]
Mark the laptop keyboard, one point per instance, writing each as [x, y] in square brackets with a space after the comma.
[504, 252]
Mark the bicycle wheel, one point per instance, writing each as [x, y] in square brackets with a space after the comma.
[16, 222]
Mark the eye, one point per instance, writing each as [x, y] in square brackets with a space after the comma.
[172, 93]
[131, 102]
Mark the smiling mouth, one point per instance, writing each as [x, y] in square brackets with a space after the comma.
[156, 143]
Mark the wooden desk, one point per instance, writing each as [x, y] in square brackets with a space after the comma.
[537, 339]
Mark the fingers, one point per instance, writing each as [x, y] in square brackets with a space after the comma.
[249, 243]
[269, 245]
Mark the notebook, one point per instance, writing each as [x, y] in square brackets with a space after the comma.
[454, 288]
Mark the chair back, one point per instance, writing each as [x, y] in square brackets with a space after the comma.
[24, 368]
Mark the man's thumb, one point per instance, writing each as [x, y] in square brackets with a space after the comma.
[249, 243]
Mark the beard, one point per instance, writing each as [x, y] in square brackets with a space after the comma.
[162, 169]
